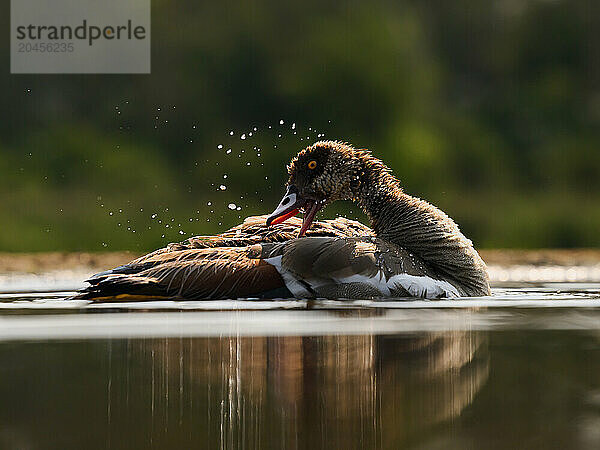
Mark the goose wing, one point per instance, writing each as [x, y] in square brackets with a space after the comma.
[204, 273]
[354, 268]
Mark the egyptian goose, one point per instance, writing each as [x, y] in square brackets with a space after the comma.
[413, 249]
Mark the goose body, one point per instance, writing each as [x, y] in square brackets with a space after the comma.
[413, 249]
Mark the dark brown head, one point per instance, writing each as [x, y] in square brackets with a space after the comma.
[320, 174]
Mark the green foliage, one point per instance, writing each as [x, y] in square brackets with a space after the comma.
[489, 110]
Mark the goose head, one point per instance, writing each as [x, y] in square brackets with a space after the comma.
[320, 174]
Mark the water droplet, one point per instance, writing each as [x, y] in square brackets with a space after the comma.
[294, 126]
[243, 136]
[228, 151]
[281, 122]
[223, 187]
[220, 146]
[153, 216]
[231, 133]
[232, 206]
[209, 203]
[225, 176]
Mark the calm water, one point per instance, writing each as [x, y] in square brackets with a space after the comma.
[519, 370]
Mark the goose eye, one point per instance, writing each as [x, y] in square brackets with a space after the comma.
[312, 165]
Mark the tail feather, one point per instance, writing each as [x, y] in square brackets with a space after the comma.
[122, 287]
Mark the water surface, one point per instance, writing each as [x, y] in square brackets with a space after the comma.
[517, 370]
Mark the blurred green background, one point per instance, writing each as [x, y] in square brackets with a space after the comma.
[488, 109]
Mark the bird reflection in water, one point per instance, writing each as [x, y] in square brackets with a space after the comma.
[364, 391]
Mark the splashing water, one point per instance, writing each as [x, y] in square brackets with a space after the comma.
[255, 153]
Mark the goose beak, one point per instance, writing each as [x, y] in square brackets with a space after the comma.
[288, 207]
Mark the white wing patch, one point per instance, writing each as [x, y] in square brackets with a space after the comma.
[424, 287]
[416, 286]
